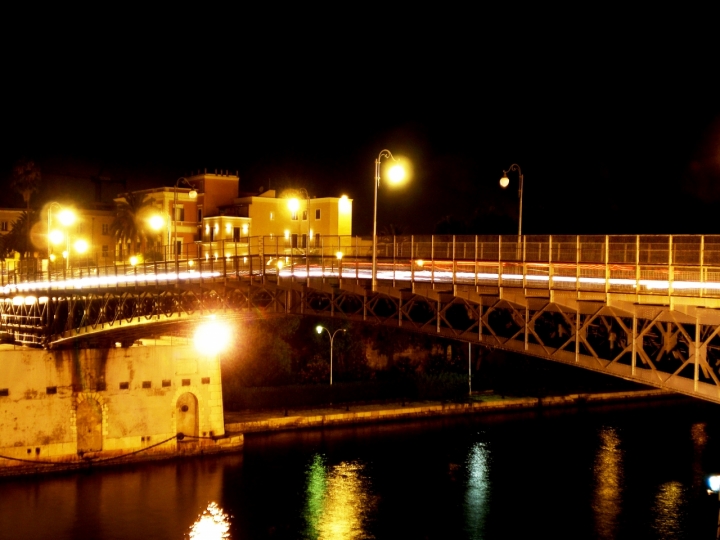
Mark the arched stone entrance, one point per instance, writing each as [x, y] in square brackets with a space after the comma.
[187, 419]
[88, 420]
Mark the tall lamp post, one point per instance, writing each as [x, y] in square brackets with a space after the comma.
[66, 217]
[396, 174]
[193, 195]
[319, 330]
[505, 182]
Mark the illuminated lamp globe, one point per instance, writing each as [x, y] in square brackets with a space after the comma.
[293, 205]
[81, 246]
[212, 337]
[714, 483]
[396, 174]
[504, 181]
[156, 222]
[66, 217]
[57, 237]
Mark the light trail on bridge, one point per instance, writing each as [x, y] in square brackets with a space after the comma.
[364, 272]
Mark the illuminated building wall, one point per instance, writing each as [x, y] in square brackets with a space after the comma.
[57, 404]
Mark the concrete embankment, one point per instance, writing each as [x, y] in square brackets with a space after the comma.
[277, 420]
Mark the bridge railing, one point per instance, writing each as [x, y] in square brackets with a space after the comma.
[650, 264]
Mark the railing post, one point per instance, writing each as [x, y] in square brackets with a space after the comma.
[394, 256]
[637, 265]
[670, 268]
[550, 261]
[412, 262]
[524, 264]
[432, 265]
[607, 264]
[475, 270]
[702, 263]
[499, 274]
[454, 262]
[577, 262]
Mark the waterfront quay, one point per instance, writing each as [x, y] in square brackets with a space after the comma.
[281, 419]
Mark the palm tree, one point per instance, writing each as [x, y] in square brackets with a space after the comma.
[24, 180]
[127, 227]
[17, 238]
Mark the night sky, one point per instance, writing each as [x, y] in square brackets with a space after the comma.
[613, 118]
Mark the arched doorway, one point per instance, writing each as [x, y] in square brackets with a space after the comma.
[186, 416]
[88, 421]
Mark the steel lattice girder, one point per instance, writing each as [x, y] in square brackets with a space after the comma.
[650, 344]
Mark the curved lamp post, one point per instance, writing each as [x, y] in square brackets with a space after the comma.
[319, 330]
[396, 175]
[66, 217]
[193, 195]
[294, 206]
[505, 181]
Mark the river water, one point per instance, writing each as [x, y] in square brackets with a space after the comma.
[610, 473]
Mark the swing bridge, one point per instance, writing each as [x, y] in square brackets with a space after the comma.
[643, 308]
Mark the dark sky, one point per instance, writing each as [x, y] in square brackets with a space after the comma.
[613, 117]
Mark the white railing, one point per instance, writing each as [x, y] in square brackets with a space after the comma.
[666, 265]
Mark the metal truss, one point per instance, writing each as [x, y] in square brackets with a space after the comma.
[676, 349]
[640, 307]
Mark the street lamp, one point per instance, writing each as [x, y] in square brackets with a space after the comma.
[505, 181]
[714, 487]
[212, 336]
[294, 205]
[193, 195]
[396, 174]
[66, 218]
[319, 330]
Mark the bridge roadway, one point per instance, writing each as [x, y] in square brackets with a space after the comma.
[644, 308]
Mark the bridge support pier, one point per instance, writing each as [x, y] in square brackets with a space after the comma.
[73, 407]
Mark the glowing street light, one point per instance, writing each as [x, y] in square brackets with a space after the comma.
[396, 174]
[66, 217]
[212, 337]
[319, 329]
[505, 182]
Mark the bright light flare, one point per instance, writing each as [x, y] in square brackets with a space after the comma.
[212, 337]
[504, 181]
[293, 204]
[345, 205]
[396, 174]
[156, 222]
[213, 524]
[714, 483]
[81, 246]
[57, 237]
[66, 217]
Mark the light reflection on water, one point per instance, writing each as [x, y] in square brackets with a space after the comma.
[556, 475]
[608, 483]
[668, 506]
[477, 489]
[338, 501]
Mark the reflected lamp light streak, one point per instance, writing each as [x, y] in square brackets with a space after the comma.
[212, 524]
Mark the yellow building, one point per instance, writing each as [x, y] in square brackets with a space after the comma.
[208, 210]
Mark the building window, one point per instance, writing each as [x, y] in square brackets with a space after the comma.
[304, 215]
[272, 216]
[294, 216]
[236, 234]
[317, 214]
[3, 225]
[199, 214]
[106, 228]
[105, 251]
[179, 213]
